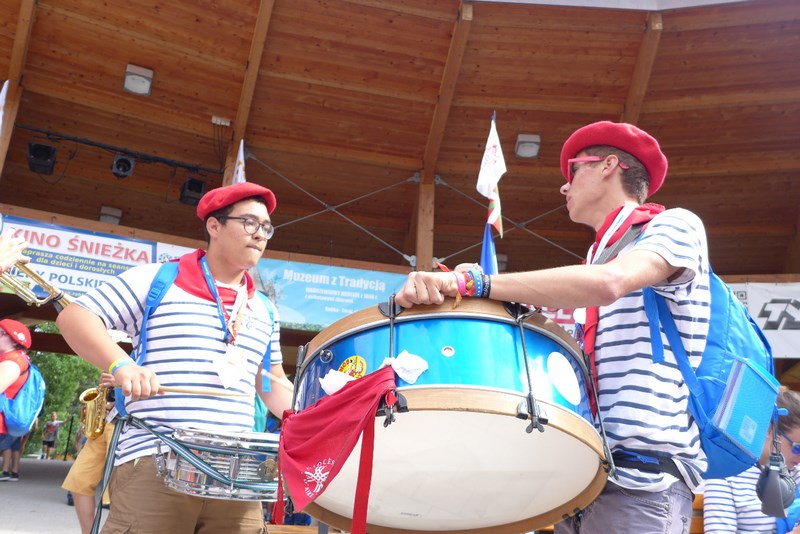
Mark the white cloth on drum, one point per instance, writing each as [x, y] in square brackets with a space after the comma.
[407, 366]
[333, 381]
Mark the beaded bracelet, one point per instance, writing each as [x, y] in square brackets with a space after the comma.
[121, 362]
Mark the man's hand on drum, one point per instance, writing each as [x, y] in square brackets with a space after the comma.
[138, 382]
[427, 288]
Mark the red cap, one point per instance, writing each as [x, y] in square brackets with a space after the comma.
[17, 331]
[230, 194]
[627, 137]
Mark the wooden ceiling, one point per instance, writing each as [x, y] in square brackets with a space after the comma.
[372, 116]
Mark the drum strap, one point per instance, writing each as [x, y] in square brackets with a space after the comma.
[645, 462]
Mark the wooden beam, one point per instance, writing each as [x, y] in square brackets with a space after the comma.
[644, 67]
[249, 85]
[425, 210]
[446, 90]
[19, 53]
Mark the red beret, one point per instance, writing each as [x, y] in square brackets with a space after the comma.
[627, 137]
[17, 331]
[230, 194]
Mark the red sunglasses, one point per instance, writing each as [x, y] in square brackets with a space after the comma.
[594, 159]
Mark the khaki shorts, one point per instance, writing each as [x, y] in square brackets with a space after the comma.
[142, 503]
[87, 472]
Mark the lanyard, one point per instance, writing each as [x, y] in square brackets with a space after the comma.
[626, 210]
[231, 328]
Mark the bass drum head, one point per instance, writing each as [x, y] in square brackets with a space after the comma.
[461, 461]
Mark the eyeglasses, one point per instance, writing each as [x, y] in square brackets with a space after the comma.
[571, 170]
[251, 226]
[795, 445]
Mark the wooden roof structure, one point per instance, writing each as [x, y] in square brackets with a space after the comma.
[368, 118]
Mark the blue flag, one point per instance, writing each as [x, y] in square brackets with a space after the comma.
[488, 257]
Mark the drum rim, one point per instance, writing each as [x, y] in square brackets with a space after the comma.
[468, 308]
[499, 403]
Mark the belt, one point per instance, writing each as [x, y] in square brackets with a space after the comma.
[645, 462]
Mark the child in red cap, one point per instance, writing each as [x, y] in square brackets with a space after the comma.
[14, 364]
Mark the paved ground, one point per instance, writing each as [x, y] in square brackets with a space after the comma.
[37, 504]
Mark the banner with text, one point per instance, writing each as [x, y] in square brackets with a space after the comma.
[311, 296]
[776, 309]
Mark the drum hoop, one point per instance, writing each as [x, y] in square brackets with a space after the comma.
[470, 309]
[502, 404]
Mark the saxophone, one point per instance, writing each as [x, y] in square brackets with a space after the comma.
[93, 412]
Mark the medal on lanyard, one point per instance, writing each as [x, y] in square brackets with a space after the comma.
[231, 367]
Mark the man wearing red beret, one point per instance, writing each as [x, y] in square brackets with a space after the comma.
[210, 332]
[610, 169]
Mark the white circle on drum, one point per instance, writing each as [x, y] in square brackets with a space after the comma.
[563, 378]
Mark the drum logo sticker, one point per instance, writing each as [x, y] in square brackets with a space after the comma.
[315, 477]
[354, 366]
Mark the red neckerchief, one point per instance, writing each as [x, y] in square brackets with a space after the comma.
[641, 214]
[190, 279]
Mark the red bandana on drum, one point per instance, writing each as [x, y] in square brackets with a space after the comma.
[316, 442]
[641, 214]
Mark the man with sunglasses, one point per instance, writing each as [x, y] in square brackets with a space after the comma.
[610, 170]
[210, 333]
[732, 505]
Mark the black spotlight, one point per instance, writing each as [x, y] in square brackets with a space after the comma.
[122, 166]
[192, 190]
[41, 158]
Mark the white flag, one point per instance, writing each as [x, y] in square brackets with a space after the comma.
[3, 102]
[239, 175]
[493, 167]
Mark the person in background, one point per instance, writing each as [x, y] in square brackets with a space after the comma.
[14, 365]
[211, 331]
[50, 433]
[610, 170]
[86, 473]
[731, 505]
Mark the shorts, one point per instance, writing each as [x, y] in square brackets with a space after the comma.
[49, 443]
[87, 472]
[9, 442]
[142, 504]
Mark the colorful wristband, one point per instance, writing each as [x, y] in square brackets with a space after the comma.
[487, 286]
[478, 277]
[116, 364]
[461, 283]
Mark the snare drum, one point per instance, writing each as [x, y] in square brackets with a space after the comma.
[249, 458]
[461, 459]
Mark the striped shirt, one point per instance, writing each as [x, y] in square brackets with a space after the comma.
[731, 505]
[185, 342]
[644, 404]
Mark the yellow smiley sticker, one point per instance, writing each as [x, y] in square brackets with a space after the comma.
[355, 366]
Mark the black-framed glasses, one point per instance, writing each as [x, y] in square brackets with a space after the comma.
[251, 226]
[795, 445]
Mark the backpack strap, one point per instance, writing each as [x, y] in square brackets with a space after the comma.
[660, 314]
[158, 288]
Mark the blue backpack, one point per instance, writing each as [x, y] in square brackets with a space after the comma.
[21, 411]
[733, 391]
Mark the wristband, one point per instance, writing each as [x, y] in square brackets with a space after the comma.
[461, 283]
[470, 284]
[487, 286]
[478, 277]
[116, 364]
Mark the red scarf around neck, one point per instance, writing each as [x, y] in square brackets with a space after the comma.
[641, 214]
[190, 279]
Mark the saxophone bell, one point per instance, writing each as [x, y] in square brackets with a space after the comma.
[93, 412]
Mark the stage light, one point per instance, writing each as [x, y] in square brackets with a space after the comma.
[122, 166]
[191, 191]
[41, 158]
[528, 145]
[138, 80]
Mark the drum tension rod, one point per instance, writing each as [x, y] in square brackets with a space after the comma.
[528, 407]
[387, 410]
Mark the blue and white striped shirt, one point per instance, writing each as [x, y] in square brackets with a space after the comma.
[644, 404]
[184, 339]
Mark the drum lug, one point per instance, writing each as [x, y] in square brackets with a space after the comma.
[528, 408]
[390, 309]
[160, 461]
[326, 356]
